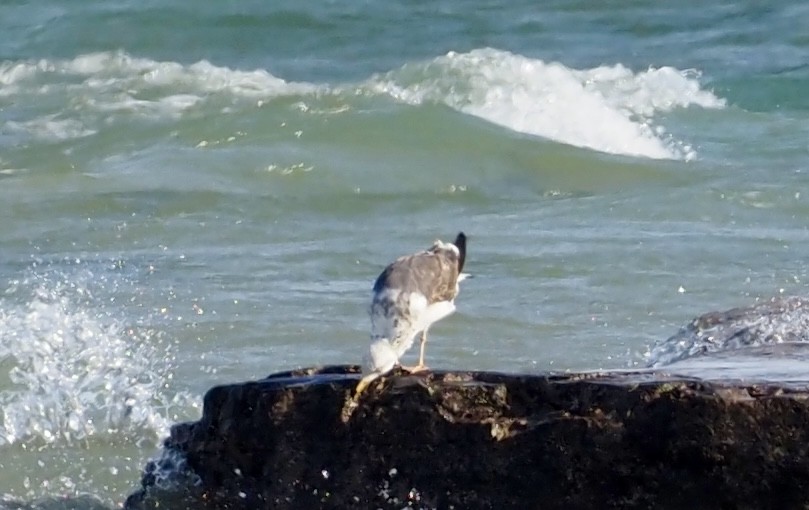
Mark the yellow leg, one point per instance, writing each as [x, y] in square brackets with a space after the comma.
[421, 353]
[421, 366]
[363, 384]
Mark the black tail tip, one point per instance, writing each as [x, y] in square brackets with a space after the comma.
[460, 243]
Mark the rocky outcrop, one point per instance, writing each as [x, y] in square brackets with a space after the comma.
[468, 440]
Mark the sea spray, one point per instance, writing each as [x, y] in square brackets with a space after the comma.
[77, 370]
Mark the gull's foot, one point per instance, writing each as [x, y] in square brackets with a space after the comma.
[361, 386]
[415, 369]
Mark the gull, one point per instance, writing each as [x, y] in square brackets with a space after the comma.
[410, 295]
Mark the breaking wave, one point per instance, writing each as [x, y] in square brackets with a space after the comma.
[607, 108]
[100, 88]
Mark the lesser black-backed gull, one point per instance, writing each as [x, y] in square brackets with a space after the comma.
[410, 295]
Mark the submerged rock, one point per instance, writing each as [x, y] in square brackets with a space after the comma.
[469, 440]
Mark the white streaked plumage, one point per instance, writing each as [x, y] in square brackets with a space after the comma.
[411, 294]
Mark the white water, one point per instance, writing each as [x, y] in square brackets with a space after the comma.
[101, 89]
[764, 324]
[608, 108]
[76, 370]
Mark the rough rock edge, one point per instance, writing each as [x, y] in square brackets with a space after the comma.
[490, 440]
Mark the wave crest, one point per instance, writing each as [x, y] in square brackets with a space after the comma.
[610, 109]
[90, 90]
[607, 108]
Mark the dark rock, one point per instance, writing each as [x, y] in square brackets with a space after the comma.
[487, 441]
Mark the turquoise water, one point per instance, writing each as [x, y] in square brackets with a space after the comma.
[198, 193]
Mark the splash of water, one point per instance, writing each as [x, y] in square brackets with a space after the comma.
[76, 370]
[83, 502]
[778, 320]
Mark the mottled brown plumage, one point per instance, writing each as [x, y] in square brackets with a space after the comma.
[433, 273]
[412, 293]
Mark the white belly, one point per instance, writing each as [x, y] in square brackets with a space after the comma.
[396, 319]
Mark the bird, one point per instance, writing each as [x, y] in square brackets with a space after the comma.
[411, 294]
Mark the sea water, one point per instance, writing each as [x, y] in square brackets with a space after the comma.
[201, 193]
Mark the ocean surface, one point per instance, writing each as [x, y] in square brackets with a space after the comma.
[196, 193]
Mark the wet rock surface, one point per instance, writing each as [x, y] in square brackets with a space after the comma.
[471, 440]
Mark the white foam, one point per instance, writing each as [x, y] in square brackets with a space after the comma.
[13, 73]
[76, 371]
[608, 108]
[7, 170]
[95, 85]
[769, 322]
[49, 127]
[106, 70]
